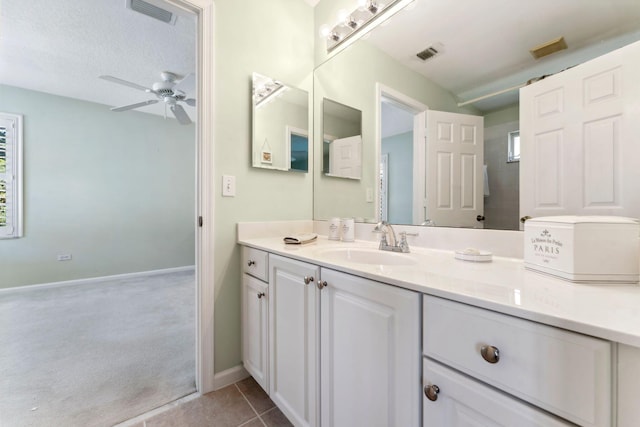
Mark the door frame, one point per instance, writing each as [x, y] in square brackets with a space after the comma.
[419, 153]
[205, 191]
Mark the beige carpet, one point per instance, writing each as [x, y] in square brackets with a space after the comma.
[96, 354]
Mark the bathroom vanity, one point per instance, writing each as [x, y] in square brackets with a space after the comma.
[339, 334]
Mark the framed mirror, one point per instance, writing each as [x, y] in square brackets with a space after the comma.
[475, 68]
[341, 141]
[280, 131]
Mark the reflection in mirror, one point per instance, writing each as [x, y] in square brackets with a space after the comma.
[280, 126]
[342, 140]
[467, 70]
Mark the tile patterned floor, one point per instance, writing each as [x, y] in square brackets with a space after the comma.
[243, 404]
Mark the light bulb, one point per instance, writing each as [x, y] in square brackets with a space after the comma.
[362, 4]
[342, 16]
[325, 30]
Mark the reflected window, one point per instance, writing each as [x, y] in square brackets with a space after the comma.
[513, 154]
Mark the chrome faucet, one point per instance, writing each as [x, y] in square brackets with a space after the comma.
[389, 241]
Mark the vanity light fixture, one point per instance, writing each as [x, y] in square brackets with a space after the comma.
[266, 90]
[351, 26]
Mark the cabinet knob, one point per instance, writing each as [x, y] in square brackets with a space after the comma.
[321, 284]
[490, 353]
[431, 391]
[251, 262]
[308, 279]
[261, 294]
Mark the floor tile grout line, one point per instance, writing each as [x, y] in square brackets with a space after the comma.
[248, 421]
[250, 405]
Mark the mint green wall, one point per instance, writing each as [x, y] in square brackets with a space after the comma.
[273, 38]
[115, 190]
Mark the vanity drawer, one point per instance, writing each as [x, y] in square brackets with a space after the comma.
[256, 263]
[565, 373]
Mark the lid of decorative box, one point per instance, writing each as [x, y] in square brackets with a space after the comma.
[574, 219]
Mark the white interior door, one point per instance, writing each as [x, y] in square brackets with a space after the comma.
[345, 158]
[454, 157]
[579, 139]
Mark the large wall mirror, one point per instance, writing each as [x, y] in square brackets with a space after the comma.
[280, 126]
[461, 57]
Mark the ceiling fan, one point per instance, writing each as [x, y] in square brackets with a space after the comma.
[170, 90]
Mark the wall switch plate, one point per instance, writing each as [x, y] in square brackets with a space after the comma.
[369, 195]
[64, 257]
[228, 185]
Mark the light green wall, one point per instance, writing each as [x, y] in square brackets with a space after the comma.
[114, 190]
[503, 115]
[273, 38]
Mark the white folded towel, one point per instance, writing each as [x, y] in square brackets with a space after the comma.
[299, 239]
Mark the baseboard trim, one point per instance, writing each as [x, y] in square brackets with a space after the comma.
[229, 376]
[98, 279]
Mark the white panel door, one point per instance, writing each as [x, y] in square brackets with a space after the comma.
[464, 402]
[293, 336]
[254, 329]
[345, 157]
[370, 353]
[454, 172]
[579, 139]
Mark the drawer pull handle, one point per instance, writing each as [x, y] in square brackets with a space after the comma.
[431, 391]
[251, 262]
[261, 294]
[321, 284]
[490, 353]
[308, 279]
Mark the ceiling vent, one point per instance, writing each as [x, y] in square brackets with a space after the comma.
[428, 53]
[548, 48]
[152, 10]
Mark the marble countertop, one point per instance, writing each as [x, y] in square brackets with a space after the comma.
[611, 312]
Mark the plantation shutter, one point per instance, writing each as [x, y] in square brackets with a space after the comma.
[10, 176]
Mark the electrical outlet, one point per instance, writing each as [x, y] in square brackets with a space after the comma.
[228, 185]
[64, 257]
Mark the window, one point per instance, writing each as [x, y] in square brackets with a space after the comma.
[513, 154]
[10, 175]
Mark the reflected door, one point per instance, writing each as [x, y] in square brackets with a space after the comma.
[454, 157]
[579, 139]
[345, 157]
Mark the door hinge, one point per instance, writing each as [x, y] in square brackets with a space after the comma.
[200, 222]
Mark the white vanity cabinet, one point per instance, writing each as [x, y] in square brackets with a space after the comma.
[255, 296]
[369, 353]
[342, 350]
[293, 339]
[564, 373]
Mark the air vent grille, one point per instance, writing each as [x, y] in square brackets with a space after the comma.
[151, 10]
[428, 53]
[548, 48]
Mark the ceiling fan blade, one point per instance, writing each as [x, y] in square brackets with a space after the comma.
[132, 106]
[125, 83]
[188, 84]
[190, 102]
[181, 115]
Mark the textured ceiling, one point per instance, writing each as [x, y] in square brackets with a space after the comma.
[62, 46]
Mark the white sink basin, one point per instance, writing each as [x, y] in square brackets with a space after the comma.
[365, 256]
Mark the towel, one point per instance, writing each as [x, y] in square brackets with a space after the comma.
[299, 239]
[486, 182]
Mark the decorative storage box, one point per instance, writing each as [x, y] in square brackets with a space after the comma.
[604, 249]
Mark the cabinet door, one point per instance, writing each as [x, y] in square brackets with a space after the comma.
[370, 353]
[293, 339]
[464, 402]
[254, 329]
